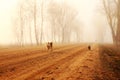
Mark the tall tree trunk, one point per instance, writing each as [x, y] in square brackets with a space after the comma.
[41, 37]
[21, 27]
[30, 33]
[35, 26]
[118, 35]
[63, 39]
[118, 24]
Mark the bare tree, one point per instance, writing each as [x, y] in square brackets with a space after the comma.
[118, 22]
[112, 11]
[61, 17]
[42, 20]
[31, 18]
[35, 24]
[19, 29]
[38, 29]
[23, 20]
[28, 17]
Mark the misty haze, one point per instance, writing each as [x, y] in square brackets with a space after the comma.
[59, 39]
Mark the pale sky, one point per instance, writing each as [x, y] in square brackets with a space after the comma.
[7, 8]
[86, 9]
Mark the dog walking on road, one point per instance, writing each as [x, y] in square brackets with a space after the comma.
[89, 47]
[49, 46]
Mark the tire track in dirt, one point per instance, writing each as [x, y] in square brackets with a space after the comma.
[84, 68]
[93, 67]
[30, 62]
[53, 71]
[26, 55]
[23, 52]
[49, 61]
[64, 69]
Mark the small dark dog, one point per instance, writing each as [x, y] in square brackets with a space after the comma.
[49, 45]
[89, 47]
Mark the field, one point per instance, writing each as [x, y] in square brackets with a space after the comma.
[65, 62]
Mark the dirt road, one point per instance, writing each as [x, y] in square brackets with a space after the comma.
[67, 62]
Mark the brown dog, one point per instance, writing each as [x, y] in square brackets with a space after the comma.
[49, 45]
[89, 47]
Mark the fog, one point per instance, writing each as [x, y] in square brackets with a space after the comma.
[92, 23]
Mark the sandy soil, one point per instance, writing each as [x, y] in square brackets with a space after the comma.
[65, 62]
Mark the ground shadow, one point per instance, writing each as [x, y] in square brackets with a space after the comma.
[110, 61]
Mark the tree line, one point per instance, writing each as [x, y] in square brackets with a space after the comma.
[33, 15]
[112, 12]
[61, 20]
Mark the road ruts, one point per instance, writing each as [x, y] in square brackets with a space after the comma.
[13, 70]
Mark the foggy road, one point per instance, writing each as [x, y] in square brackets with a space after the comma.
[60, 40]
[67, 62]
